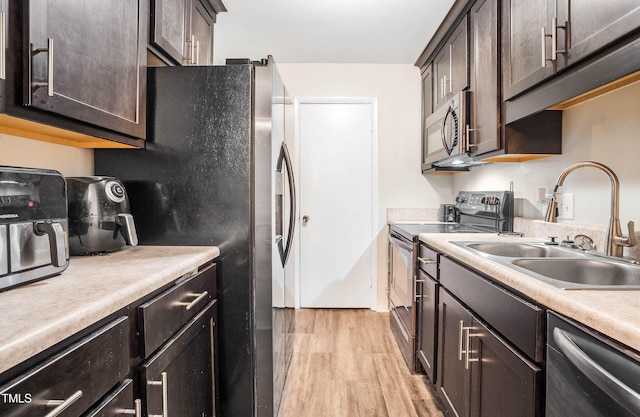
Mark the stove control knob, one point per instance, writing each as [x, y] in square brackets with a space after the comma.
[460, 199]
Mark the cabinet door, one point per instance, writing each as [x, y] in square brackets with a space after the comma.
[201, 34]
[87, 61]
[179, 380]
[459, 58]
[522, 42]
[453, 379]
[504, 383]
[450, 66]
[484, 133]
[427, 109]
[170, 31]
[442, 76]
[593, 25]
[427, 91]
[427, 340]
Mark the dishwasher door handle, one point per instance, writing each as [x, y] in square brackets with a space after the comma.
[612, 386]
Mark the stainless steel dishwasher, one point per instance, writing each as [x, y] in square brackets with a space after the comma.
[588, 374]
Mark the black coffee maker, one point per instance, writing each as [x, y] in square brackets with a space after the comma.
[100, 219]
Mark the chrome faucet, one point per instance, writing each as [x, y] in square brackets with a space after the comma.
[614, 241]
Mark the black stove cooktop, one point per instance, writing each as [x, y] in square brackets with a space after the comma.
[411, 231]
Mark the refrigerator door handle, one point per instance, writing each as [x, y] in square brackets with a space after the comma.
[283, 249]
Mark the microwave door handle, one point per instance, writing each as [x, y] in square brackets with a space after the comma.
[612, 386]
[443, 136]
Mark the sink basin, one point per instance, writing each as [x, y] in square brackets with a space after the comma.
[584, 273]
[523, 250]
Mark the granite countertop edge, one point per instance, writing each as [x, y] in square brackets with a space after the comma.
[39, 315]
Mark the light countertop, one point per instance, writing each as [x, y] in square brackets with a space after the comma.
[611, 312]
[39, 315]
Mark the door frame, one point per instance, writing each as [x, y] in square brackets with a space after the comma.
[373, 101]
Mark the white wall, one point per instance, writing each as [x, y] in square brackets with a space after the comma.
[606, 130]
[398, 90]
[69, 161]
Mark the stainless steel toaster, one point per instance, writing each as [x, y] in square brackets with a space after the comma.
[33, 225]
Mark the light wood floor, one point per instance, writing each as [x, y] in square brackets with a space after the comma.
[346, 363]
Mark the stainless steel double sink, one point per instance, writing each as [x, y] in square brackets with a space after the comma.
[563, 267]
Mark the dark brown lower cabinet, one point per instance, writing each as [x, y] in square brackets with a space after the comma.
[172, 380]
[481, 374]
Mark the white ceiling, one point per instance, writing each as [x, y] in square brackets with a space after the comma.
[327, 31]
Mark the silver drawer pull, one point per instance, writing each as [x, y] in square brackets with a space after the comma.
[427, 261]
[199, 297]
[61, 405]
[137, 409]
[165, 394]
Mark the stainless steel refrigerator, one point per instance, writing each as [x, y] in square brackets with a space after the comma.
[209, 176]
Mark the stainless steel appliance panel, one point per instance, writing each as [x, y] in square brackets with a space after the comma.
[588, 375]
[403, 297]
[204, 178]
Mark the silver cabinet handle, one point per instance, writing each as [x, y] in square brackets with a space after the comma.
[61, 405]
[470, 145]
[554, 39]
[49, 82]
[197, 52]
[427, 261]
[468, 350]
[193, 50]
[554, 42]
[199, 297]
[460, 338]
[137, 409]
[543, 38]
[165, 394]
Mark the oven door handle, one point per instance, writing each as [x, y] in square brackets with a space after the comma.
[400, 244]
[603, 379]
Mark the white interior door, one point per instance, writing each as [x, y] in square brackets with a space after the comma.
[336, 154]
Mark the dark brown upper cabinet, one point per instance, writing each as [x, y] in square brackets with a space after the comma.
[183, 30]
[86, 60]
[483, 134]
[450, 66]
[542, 37]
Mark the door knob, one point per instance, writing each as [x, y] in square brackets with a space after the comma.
[305, 219]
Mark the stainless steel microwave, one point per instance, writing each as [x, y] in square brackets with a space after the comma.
[445, 131]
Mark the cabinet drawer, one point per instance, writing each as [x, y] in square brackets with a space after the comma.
[118, 402]
[428, 261]
[519, 321]
[74, 379]
[162, 316]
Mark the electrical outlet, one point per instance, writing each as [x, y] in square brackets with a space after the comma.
[565, 205]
